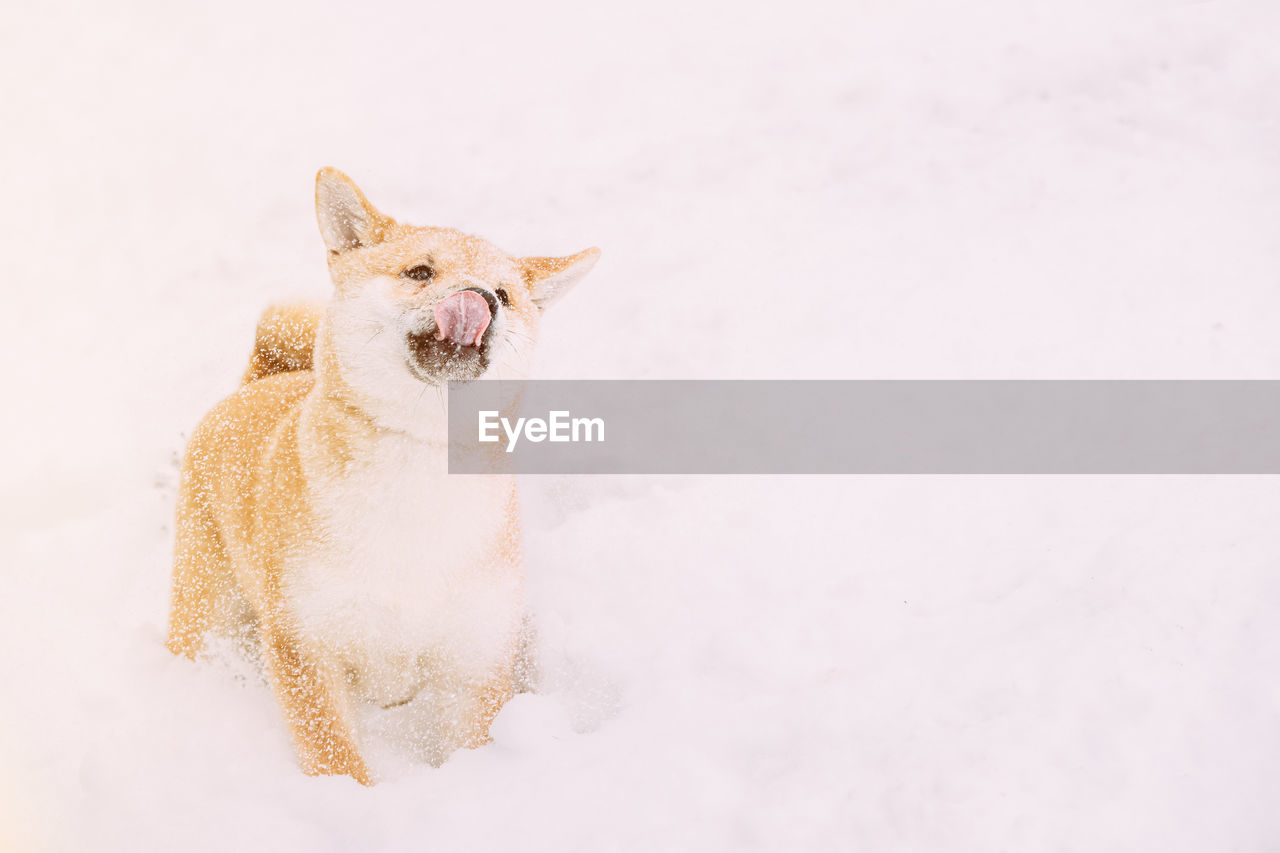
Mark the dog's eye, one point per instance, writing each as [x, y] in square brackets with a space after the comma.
[422, 272]
[503, 297]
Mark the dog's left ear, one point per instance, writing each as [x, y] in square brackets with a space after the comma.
[347, 219]
[551, 278]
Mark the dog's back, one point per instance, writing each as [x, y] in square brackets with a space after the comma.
[232, 488]
[221, 476]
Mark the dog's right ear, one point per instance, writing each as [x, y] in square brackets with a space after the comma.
[347, 220]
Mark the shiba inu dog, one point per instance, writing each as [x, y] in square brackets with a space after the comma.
[315, 516]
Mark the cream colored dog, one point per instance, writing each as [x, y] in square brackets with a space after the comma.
[316, 516]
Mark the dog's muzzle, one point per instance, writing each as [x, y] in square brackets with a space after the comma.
[455, 343]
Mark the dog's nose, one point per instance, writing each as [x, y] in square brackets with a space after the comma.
[490, 298]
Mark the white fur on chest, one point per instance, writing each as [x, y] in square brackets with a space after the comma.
[402, 582]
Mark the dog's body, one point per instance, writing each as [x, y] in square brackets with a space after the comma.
[316, 514]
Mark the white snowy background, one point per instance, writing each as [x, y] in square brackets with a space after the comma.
[1000, 189]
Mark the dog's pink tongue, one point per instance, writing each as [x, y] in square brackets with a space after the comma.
[462, 318]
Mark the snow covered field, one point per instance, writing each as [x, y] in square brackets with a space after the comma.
[988, 190]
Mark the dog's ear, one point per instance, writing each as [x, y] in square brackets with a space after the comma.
[551, 278]
[347, 220]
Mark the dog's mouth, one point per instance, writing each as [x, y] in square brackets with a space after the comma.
[455, 342]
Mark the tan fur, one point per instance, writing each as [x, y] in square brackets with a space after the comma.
[245, 503]
[285, 340]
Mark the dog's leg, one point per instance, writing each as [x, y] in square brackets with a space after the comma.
[308, 694]
[487, 701]
[200, 570]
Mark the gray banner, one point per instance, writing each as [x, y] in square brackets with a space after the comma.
[865, 427]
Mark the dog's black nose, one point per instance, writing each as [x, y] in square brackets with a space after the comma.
[490, 298]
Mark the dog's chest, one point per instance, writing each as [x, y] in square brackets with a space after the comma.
[407, 570]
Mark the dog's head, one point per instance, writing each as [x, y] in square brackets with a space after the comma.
[427, 305]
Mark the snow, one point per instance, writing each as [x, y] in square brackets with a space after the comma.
[999, 190]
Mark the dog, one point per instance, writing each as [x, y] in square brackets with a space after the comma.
[315, 515]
